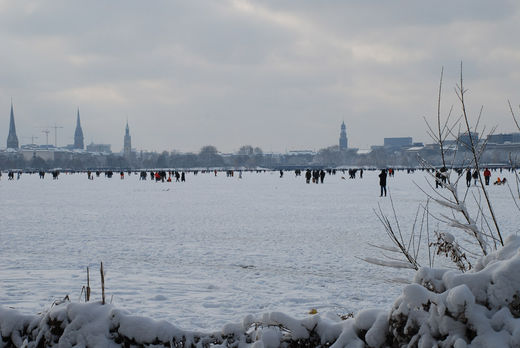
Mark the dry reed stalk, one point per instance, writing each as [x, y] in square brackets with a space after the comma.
[87, 291]
[102, 284]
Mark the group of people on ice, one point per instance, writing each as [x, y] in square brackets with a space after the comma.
[487, 177]
[441, 176]
[316, 176]
[162, 176]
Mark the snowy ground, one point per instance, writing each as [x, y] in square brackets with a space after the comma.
[207, 252]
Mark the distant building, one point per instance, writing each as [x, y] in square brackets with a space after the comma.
[464, 140]
[104, 148]
[127, 148]
[398, 142]
[343, 140]
[512, 138]
[12, 139]
[78, 135]
[29, 154]
[301, 153]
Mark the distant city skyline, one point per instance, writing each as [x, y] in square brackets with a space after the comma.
[280, 75]
[78, 139]
[12, 139]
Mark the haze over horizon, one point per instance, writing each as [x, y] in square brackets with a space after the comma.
[280, 75]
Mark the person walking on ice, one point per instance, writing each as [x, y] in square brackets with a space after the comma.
[382, 181]
[475, 176]
[487, 176]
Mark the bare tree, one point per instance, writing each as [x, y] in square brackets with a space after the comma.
[483, 228]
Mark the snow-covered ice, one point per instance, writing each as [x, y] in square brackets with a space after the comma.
[480, 308]
[210, 251]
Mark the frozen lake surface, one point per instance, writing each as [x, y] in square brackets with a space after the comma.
[209, 251]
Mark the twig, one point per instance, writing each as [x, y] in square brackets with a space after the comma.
[461, 93]
[102, 284]
[87, 290]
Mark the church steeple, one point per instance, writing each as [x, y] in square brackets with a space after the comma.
[343, 141]
[12, 139]
[127, 148]
[78, 135]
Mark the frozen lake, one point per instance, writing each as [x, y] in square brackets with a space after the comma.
[209, 251]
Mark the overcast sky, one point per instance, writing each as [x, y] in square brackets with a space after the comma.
[280, 74]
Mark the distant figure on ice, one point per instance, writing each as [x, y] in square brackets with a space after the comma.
[122, 175]
[500, 181]
[444, 174]
[322, 175]
[308, 176]
[382, 181]
[361, 173]
[316, 176]
[475, 176]
[468, 177]
[281, 173]
[487, 176]
[183, 177]
[438, 179]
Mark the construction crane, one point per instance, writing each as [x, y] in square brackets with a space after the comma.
[56, 134]
[32, 139]
[46, 131]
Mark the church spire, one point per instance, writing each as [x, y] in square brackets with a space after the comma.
[12, 139]
[78, 134]
[127, 147]
[343, 140]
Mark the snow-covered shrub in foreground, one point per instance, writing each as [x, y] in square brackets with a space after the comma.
[480, 308]
[96, 325]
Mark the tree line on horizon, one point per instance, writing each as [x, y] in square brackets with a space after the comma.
[247, 157]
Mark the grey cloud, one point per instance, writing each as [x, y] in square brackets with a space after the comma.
[277, 74]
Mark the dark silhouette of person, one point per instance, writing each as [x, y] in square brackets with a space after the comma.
[308, 176]
[316, 176]
[322, 175]
[475, 176]
[382, 181]
[487, 175]
[444, 174]
[438, 179]
[468, 177]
